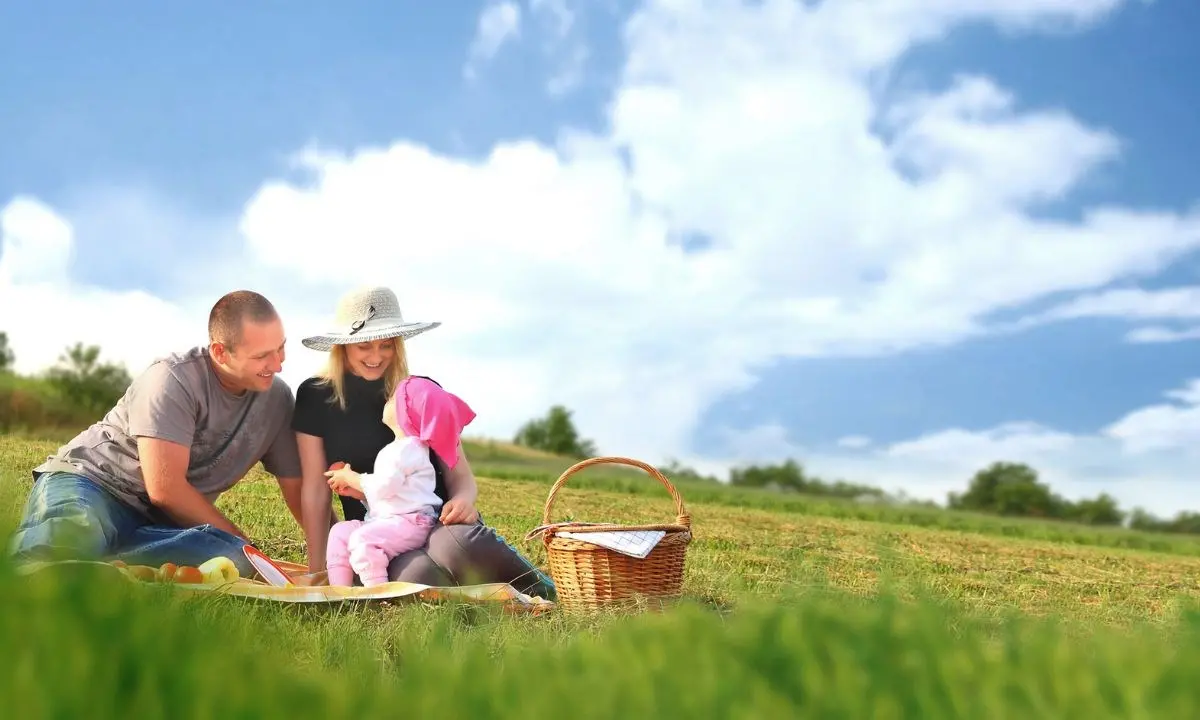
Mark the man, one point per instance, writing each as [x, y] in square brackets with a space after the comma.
[140, 484]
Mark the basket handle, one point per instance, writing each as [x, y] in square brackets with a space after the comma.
[682, 518]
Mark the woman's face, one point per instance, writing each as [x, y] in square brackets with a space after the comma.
[370, 360]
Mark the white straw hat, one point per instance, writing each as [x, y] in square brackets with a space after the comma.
[365, 315]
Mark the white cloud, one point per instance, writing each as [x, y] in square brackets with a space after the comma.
[1167, 426]
[1158, 334]
[499, 23]
[569, 73]
[1018, 439]
[37, 243]
[971, 128]
[563, 43]
[1131, 304]
[558, 272]
[556, 14]
[558, 27]
[43, 311]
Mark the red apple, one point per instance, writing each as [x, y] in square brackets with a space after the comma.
[188, 575]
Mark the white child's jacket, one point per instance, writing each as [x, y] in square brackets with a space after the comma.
[402, 481]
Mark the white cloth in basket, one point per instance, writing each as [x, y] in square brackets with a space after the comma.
[634, 543]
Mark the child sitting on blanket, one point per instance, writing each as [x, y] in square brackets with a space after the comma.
[401, 505]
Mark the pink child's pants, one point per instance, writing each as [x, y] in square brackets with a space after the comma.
[366, 547]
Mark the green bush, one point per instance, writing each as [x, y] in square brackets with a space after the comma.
[76, 392]
[88, 384]
[31, 404]
[555, 433]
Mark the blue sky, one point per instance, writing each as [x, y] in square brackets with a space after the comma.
[1130, 75]
[201, 101]
[185, 111]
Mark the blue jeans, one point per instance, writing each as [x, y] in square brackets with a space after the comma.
[68, 516]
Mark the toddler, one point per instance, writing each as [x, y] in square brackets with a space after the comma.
[401, 505]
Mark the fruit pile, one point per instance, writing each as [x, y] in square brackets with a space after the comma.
[217, 571]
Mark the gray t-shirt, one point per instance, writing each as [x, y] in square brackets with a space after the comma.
[179, 398]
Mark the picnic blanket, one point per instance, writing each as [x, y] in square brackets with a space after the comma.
[301, 592]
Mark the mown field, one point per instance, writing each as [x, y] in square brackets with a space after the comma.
[794, 605]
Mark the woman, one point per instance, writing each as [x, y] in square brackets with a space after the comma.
[338, 418]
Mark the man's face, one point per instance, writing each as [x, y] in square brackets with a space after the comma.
[253, 363]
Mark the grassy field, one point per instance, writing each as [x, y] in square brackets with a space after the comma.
[793, 605]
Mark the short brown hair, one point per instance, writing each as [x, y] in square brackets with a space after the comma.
[232, 311]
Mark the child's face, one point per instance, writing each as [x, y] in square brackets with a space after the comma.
[389, 415]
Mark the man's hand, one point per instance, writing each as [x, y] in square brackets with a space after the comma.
[316, 508]
[164, 469]
[292, 491]
[459, 511]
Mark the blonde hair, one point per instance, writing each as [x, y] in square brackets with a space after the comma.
[334, 372]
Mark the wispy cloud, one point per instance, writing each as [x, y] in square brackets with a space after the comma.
[563, 43]
[499, 23]
[555, 26]
[1157, 334]
[1133, 304]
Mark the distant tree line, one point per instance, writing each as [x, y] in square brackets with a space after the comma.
[1002, 488]
[1013, 489]
[555, 433]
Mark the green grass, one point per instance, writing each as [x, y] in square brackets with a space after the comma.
[791, 610]
[98, 650]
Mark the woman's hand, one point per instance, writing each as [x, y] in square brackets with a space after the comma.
[315, 502]
[459, 511]
[460, 481]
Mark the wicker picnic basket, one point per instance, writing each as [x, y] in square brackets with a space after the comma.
[590, 577]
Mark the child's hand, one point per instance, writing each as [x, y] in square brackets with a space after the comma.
[343, 478]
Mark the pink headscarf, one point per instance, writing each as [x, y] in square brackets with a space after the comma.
[426, 411]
